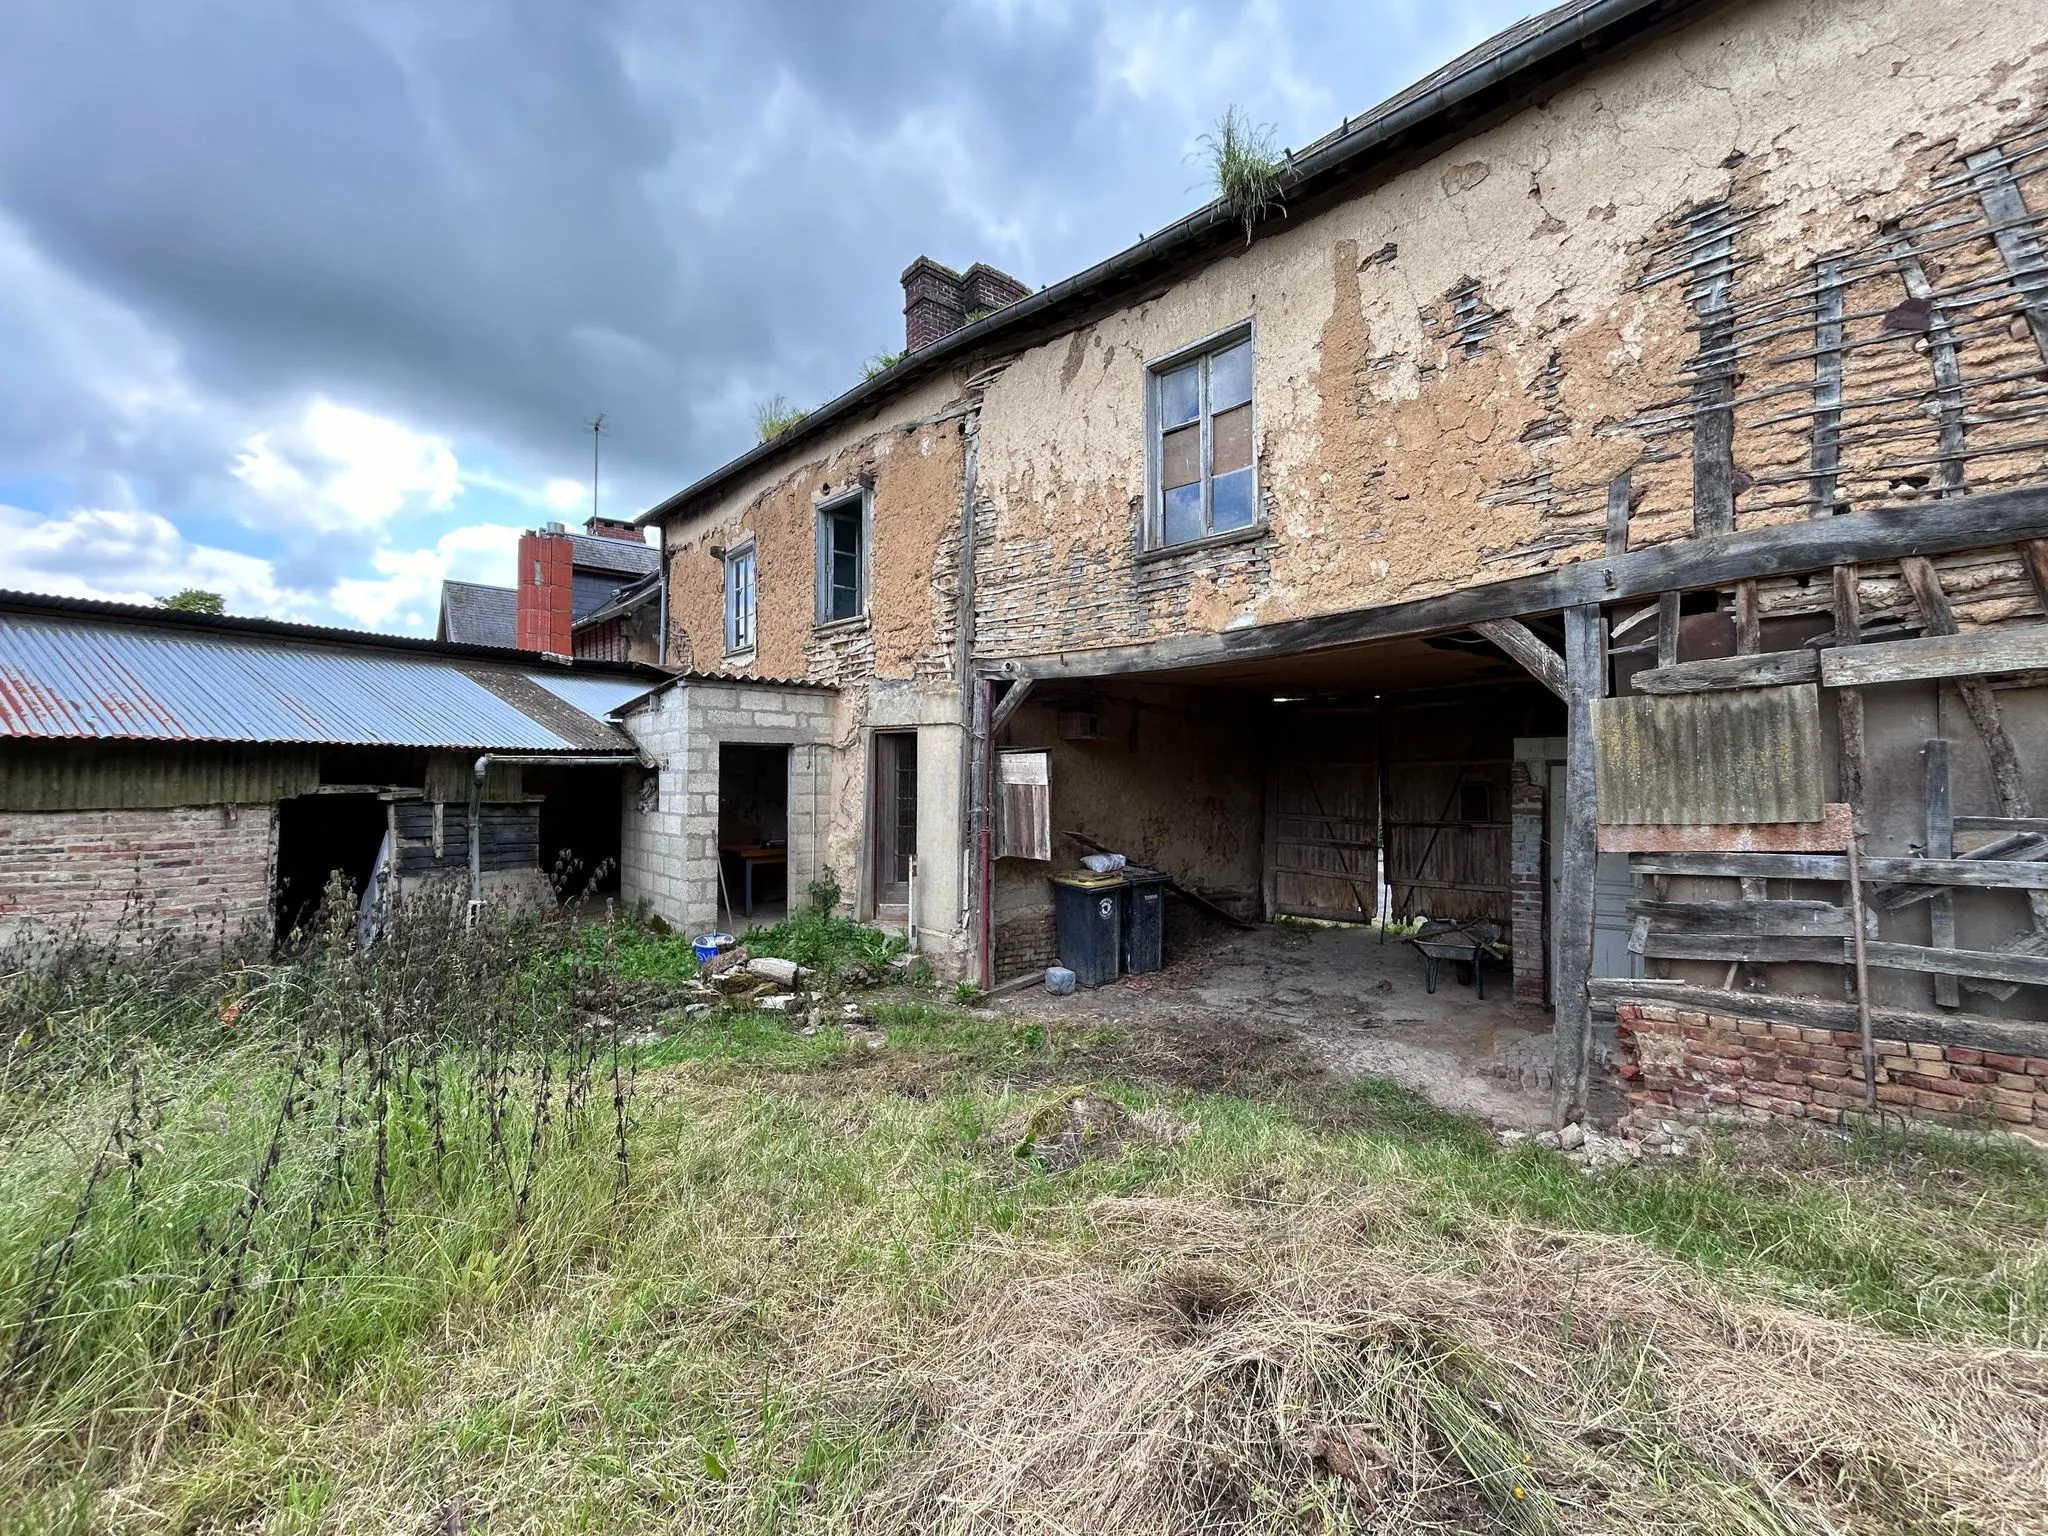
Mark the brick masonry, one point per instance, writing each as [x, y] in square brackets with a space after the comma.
[203, 867]
[1525, 882]
[1675, 1062]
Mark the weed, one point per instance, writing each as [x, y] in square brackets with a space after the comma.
[775, 416]
[880, 364]
[1248, 173]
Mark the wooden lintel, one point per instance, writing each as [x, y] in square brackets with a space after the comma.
[1769, 919]
[1535, 658]
[2013, 1037]
[1752, 948]
[1980, 653]
[1980, 874]
[1783, 549]
[1768, 669]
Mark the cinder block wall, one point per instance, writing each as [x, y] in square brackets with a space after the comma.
[200, 867]
[670, 844]
[1677, 1063]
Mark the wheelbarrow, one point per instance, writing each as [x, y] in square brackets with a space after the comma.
[1467, 945]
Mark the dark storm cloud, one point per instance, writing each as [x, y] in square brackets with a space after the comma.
[489, 218]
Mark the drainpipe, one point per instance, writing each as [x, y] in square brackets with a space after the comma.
[910, 908]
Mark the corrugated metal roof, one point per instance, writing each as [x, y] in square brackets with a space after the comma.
[1710, 759]
[595, 696]
[66, 676]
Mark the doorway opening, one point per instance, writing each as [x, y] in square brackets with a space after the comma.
[581, 816]
[319, 836]
[753, 829]
[895, 818]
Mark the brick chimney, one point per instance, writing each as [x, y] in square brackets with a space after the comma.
[937, 300]
[547, 584]
[613, 528]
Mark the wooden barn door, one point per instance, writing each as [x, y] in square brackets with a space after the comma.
[1322, 816]
[1448, 829]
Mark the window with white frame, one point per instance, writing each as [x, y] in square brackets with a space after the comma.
[739, 598]
[1200, 408]
[843, 558]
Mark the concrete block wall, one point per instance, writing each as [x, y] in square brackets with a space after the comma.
[1677, 1063]
[200, 867]
[669, 852]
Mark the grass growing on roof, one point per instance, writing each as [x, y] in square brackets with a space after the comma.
[830, 1294]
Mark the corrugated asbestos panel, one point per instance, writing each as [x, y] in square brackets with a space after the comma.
[81, 678]
[1710, 759]
[84, 776]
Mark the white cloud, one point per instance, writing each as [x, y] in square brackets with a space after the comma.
[343, 469]
[564, 495]
[405, 594]
[133, 557]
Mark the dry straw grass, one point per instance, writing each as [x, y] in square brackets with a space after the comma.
[1248, 1370]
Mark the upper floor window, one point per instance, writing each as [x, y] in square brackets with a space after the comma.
[843, 558]
[739, 598]
[1200, 409]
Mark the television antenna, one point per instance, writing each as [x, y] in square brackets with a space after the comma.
[595, 424]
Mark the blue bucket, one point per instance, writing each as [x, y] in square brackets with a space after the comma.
[710, 946]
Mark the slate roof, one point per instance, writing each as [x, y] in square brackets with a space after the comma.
[475, 614]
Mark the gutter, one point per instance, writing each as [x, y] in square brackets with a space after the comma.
[1334, 158]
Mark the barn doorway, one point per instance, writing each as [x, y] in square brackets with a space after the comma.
[753, 829]
[319, 836]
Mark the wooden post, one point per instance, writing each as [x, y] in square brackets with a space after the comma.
[1617, 514]
[1668, 616]
[1585, 665]
[1941, 844]
[1859, 920]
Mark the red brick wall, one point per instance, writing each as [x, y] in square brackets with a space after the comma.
[547, 585]
[1675, 1062]
[185, 865]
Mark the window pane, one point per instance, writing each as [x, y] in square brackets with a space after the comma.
[1181, 514]
[1230, 441]
[1180, 395]
[1230, 501]
[1230, 377]
[1180, 457]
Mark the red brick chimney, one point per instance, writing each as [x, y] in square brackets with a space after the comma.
[937, 300]
[613, 528]
[547, 584]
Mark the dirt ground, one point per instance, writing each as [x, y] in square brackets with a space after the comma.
[1343, 1002]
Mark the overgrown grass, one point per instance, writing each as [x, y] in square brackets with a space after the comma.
[780, 1316]
[775, 416]
[1246, 170]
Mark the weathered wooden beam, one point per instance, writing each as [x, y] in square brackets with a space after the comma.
[2034, 554]
[1849, 703]
[1941, 844]
[1826, 454]
[1535, 658]
[2035, 824]
[1925, 584]
[1749, 633]
[1617, 514]
[1749, 948]
[1713, 394]
[2010, 1037]
[1769, 919]
[1769, 669]
[1978, 874]
[1981, 653]
[1941, 357]
[1585, 664]
[1010, 704]
[1669, 617]
[2013, 231]
[2018, 848]
[1783, 549]
[1999, 965]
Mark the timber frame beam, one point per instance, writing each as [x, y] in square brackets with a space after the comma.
[1717, 560]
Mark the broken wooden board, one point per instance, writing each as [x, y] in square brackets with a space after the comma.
[1764, 670]
[1981, 653]
[1985, 874]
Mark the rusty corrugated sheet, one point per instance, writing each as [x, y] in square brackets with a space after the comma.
[1710, 759]
[114, 679]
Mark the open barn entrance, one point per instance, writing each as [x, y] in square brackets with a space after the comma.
[581, 816]
[318, 837]
[753, 829]
[1310, 811]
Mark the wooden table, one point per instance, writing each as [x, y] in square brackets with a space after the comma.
[754, 856]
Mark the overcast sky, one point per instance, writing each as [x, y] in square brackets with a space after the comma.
[308, 302]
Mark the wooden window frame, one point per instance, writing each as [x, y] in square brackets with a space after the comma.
[1153, 536]
[862, 500]
[746, 552]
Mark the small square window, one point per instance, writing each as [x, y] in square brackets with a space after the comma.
[1204, 481]
[842, 559]
[739, 599]
[1475, 801]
